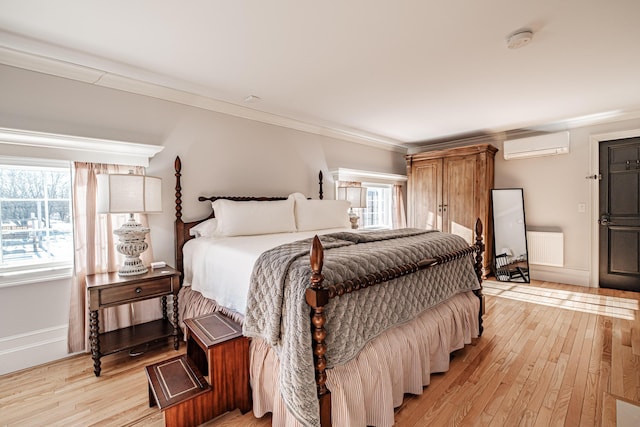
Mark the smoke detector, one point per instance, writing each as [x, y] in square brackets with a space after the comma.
[519, 38]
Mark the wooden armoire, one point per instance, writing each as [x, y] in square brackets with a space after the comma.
[449, 189]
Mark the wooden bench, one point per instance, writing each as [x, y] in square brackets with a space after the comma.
[211, 379]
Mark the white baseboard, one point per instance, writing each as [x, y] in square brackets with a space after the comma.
[33, 348]
[569, 276]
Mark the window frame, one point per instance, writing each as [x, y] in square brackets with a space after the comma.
[27, 147]
[370, 179]
[386, 208]
[35, 272]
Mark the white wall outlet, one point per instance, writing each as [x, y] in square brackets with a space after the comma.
[582, 207]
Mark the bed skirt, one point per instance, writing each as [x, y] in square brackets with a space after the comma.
[364, 391]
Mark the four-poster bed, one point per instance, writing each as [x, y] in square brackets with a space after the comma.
[361, 287]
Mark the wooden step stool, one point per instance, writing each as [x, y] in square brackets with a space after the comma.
[215, 349]
[181, 392]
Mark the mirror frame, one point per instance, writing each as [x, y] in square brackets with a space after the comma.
[523, 273]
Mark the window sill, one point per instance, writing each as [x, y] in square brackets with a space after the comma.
[36, 275]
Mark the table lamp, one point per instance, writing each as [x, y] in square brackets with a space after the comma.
[129, 193]
[358, 198]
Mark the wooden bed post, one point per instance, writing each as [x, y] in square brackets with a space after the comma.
[479, 270]
[317, 298]
[179, 224]
[320, 195]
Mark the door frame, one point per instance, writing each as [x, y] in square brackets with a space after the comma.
[594, 154]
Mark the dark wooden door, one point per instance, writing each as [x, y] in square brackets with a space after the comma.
[620, 214]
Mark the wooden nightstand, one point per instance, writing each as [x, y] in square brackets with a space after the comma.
[110, 289]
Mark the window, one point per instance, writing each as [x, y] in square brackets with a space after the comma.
[35, 213]
[382, 210]
[377, 214]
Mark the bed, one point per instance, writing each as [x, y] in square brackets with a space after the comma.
[342, 324]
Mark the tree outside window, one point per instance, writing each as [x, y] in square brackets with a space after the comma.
[35, 213]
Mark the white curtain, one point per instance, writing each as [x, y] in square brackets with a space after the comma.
[398, 216]
[94, 252]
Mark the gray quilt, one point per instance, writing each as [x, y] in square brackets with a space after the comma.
[277, 311]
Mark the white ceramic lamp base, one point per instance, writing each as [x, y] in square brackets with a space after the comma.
[131, 245]
[354, 220]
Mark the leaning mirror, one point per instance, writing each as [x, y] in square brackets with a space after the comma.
[509, 236]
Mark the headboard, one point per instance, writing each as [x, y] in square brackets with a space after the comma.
[182, 228]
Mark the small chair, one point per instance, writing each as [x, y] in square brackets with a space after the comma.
[506, 271]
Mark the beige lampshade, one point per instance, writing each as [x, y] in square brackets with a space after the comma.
[128, 193]
[356, 195]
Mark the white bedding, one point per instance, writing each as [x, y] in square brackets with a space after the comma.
[220, 267]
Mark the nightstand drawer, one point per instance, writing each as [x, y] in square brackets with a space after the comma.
[126, 293]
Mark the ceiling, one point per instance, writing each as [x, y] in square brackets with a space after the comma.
[405, 72]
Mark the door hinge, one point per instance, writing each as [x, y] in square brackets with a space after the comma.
[598, 177]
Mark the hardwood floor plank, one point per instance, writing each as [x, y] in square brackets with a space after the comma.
[617, 359]
[604, 379]
[635, 340]
[609, 411]
[584, 395]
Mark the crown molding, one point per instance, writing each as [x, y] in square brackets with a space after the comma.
[76, 148]
[344, 174]
[68, 70]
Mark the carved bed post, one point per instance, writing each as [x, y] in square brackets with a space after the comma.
[179, 224]
[317, 298]
[479, 269]
[320, 195]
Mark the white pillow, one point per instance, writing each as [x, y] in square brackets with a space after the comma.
[298, 196]
[254, 217]
[322, 214]
[205, 228]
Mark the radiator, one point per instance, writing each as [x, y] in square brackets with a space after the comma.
[546, 248]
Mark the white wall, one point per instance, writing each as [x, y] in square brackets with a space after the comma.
[553, 189]
[221, 154]
[33, 324]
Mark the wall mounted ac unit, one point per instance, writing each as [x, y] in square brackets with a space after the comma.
[549, 144]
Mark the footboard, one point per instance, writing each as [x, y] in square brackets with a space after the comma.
[318, 297]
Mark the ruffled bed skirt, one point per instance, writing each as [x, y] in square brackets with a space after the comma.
[193, 304]
[364, 391]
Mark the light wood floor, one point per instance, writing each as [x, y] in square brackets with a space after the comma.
[550, 355]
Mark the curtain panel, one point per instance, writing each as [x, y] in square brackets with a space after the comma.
[398, 215]
[94, 252]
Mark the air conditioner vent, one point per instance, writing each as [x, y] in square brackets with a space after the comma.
[550, 144]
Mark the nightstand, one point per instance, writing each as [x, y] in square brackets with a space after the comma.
[110, 289]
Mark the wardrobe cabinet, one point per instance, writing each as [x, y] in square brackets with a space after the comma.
[448, 190]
